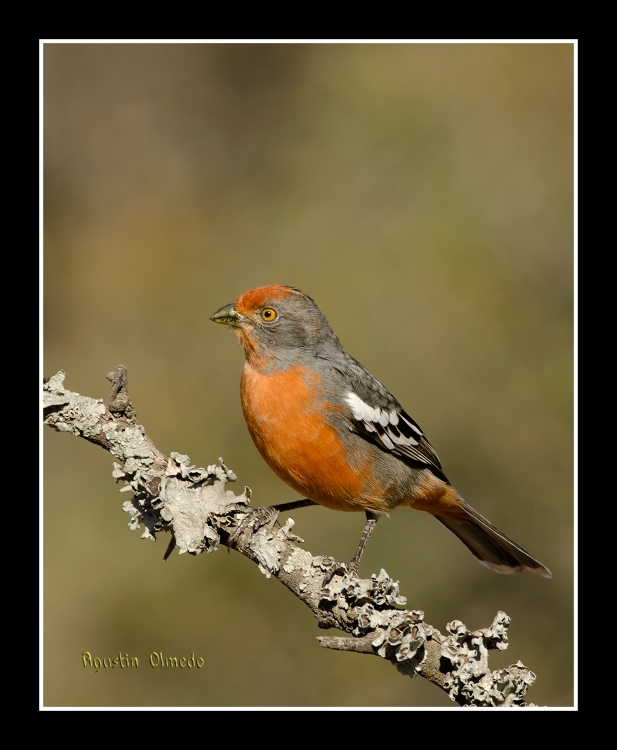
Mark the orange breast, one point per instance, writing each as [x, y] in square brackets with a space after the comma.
[285, 416]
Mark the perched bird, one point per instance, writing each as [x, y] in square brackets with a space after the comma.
[336, 435]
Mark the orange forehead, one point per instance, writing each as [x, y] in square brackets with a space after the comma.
[255, 298]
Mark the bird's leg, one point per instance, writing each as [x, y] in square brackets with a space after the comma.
[371, 522]
[353, 565]
[266, 516]
[282, 507]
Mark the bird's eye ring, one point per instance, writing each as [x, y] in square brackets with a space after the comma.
[268, 314]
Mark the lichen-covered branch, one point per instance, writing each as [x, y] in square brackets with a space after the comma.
[193, 505]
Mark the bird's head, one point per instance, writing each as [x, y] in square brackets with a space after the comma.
[272, 321]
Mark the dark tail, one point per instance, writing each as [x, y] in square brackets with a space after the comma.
[491, 546]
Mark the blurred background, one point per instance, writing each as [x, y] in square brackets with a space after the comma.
[422, 194]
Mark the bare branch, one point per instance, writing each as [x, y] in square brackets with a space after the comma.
[192, 504]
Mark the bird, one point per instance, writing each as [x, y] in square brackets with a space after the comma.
[335, 434]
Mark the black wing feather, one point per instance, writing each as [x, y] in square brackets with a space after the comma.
[401, 435]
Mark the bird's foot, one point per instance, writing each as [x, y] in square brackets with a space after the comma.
[257, 518]
[342, 569]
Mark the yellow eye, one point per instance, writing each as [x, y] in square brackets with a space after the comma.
[268, 314]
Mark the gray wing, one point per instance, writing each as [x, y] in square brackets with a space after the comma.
[378, 417]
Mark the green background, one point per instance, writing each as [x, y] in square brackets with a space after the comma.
[422, 194]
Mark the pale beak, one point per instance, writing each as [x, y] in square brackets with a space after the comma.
[227, 315]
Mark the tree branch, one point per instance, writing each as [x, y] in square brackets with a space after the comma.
[192, 504]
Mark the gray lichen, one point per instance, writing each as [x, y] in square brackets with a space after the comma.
[371, 609]
[300, 560]
[70, 412]
[195, 503]
[268, 545]
[471, 676]
[350, 590]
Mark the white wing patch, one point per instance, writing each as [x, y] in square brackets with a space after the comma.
[391, 426]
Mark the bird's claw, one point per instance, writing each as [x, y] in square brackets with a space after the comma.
[349, 568]
[257, 518]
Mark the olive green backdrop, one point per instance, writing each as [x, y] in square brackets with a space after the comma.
[422, 194]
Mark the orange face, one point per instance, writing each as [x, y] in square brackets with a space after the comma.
[251, 302]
